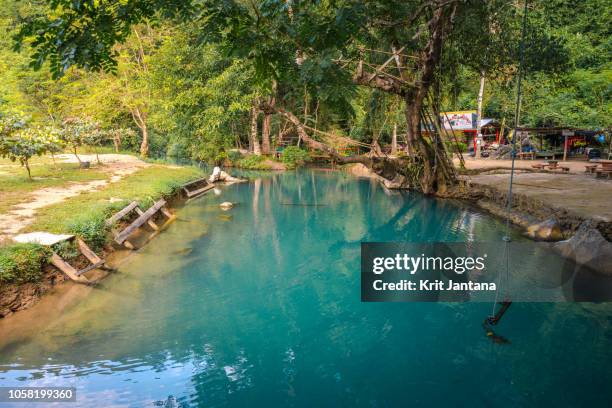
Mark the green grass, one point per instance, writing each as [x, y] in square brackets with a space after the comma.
[15, 185]
[101, 150]
[293, 157]
[84, 214]
[21, 263]
[253, 162]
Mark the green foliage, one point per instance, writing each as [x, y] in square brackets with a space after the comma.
[57, 37]
[458, 147]
[66, 249]
[293, 156]
[22, 263]
[234, 156]
[253, 162]
[79, 131]
[122, 138]
[204, 98]
[196, 81]
[11, 123]
[19, 142]
[90, 226]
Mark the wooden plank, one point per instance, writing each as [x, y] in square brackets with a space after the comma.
[149, 221]
[200, 191]
[195, 182]
[138, 222]
[90, 267]
[167, 213]
[87, 252]
[67, 269]
[122, 213]
[165, 225]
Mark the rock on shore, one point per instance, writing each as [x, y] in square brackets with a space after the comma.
[219, 175]
[589, 248]
[398, 182]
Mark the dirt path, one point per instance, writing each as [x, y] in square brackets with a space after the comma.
[575, 166]
[580, 194]
[23, 214]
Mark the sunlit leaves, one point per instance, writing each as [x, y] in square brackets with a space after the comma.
[19, 142]
[83, 33]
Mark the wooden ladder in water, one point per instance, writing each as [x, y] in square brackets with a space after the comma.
[77, 274]
[200, 187]
[144, 217]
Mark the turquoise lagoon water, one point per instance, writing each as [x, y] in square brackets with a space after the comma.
[260, 306]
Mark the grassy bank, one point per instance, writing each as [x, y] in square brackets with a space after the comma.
[290, 158]
[84, 215]
[21, 263]
[15, 185]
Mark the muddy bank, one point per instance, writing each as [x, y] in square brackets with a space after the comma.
[15, 297]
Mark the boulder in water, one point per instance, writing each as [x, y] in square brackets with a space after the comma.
[398, 182]
[589, 248]
[225, 206]
[216, 174]
[229, 179]
[220, 175]
[548, 230]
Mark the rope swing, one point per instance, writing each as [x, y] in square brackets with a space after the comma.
[495, 317]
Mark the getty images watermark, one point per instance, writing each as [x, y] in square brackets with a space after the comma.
[459, 272]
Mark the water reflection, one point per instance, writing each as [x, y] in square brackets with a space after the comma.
[263, 308]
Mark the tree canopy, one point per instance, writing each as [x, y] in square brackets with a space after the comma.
[198, 78]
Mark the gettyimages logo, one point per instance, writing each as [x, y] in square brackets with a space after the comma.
[412, 264]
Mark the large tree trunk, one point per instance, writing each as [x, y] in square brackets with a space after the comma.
[265, 129]
[144, 146]
[27, 166]
[479, 114]
[140, 118]
[265, 134]
[254, 146]
[436, 167]
[394, 140]
[116, 142]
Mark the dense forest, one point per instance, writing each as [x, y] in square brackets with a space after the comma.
[198, 79]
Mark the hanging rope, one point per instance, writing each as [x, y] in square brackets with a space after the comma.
[494, 318]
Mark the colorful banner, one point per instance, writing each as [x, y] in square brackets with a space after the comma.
[459, 120]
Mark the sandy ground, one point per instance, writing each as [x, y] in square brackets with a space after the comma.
[274, 165]
[22, 215]
[476, 164]
[581, 194]
[577, 192]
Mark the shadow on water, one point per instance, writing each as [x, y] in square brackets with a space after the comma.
[264, 308]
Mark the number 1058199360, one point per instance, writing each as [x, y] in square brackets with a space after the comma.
[37, 394]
